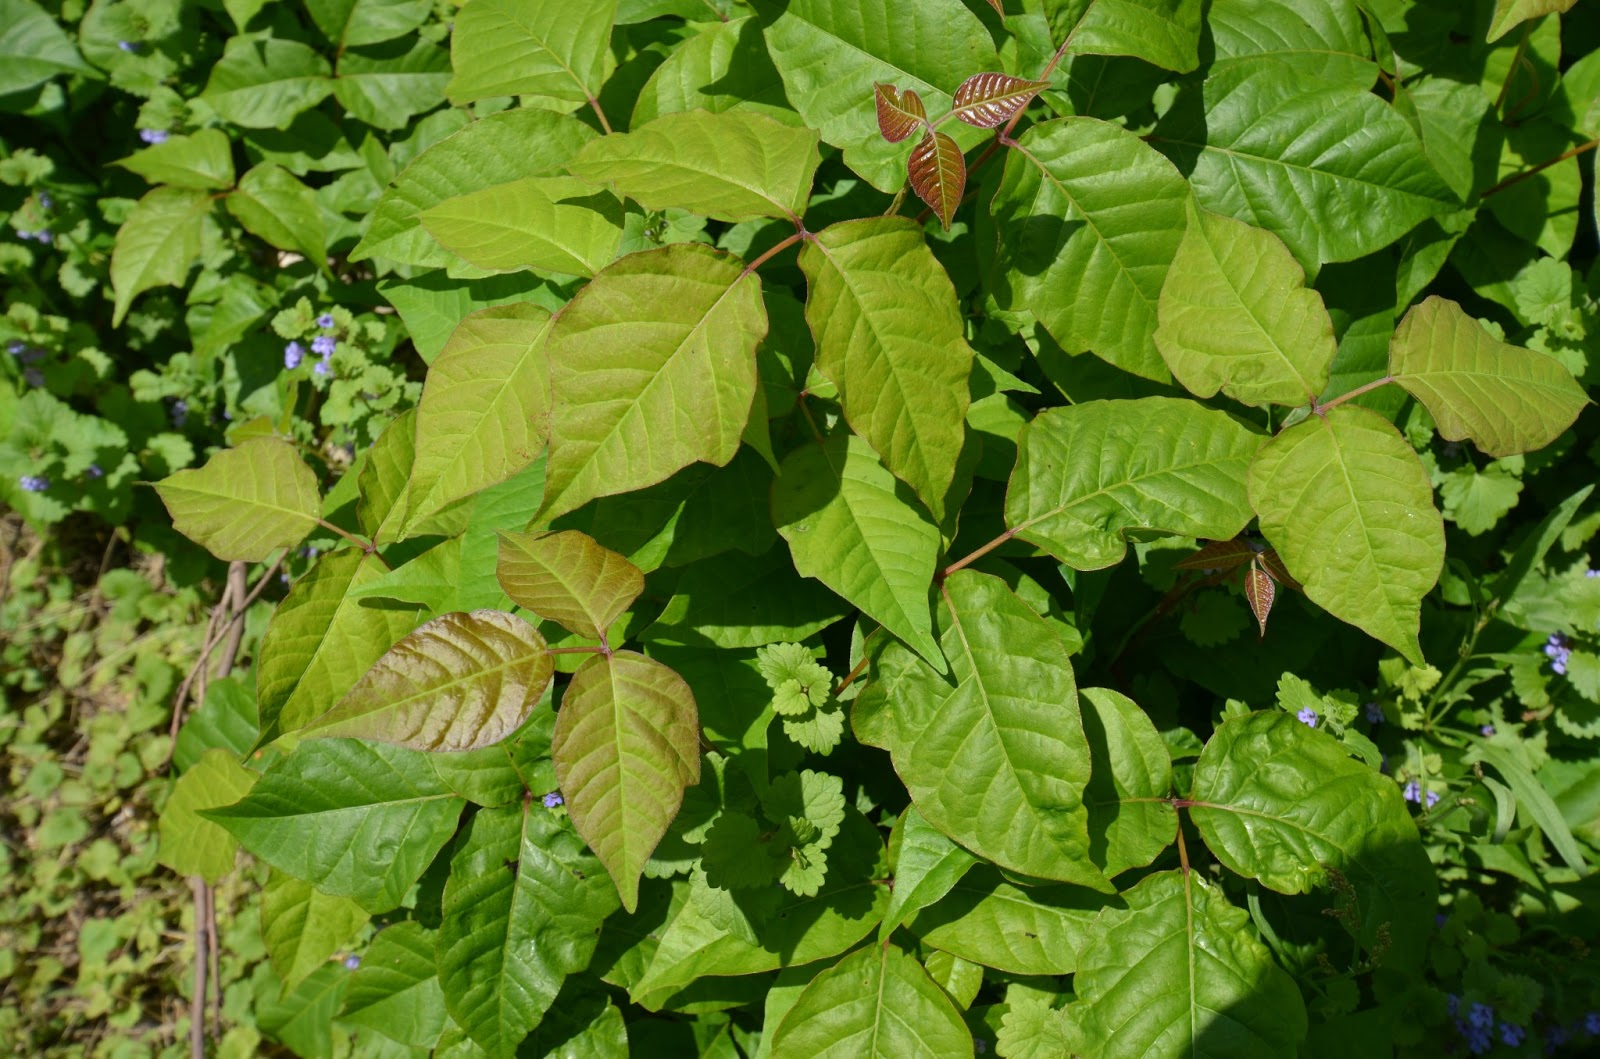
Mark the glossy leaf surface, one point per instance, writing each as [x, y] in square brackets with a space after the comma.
[876, 1002]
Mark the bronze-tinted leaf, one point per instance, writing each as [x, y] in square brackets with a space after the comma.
[990, 99]
[569, 578]
[938, 174]
[899, 113]
[1280, 573]
[1259, 591]
[1217, 555]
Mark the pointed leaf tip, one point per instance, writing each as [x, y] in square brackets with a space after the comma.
[938, 174]
[1259, 590]
[900, 113]
[988, 100]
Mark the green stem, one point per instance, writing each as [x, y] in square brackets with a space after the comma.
[360, 542]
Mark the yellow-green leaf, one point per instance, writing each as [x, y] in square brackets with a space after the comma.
[550, 224]
[246, 502]
[190, 844]
[157, 243]
[569, 578]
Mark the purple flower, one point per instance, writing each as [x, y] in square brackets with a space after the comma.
[45, 201]
[1558, 649]
[1307, 716]
[553, 799]
[1412, 791]
[321, 367]
[325, 321]
[1591, 1023]
[33, 483]
[323, 345]
[44, 237]
[1486, 731]
[153, 136]
[1478, 1041]
[179, 412]
[16, 347]
[94, 471]
[293, 354]
[1374, 713]
[1512, 1034]
[352, 962]
[128, 45]
[1433, 799]
[1481, 1016]
[1591, 573]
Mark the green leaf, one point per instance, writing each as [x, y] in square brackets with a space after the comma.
[1510, 13]
[726, 67]
[358, 820]
[652, 367]
[302, 927]
[550, 224]
[889, 335]
[569, 578]
[498, 149]
[225, 720]
[272, 204]
[263, 82]
[1348, 506]
[830, 56]
[733, 166]
[157, 244]
[1089, 473]
[1019, 930]
[1178, 972]
[1128, 824]
[926, 864]
[203, 160]
[191, 844]
[1088, 218]
[1331, 169]
[876, 1002]
[1533, 801]
[352, 23]
[302, 1019]
[1237, 317]
[999, 763]
[34, 47]
[522, 911]
[542, 48]
[744, 601]
[1505, 398]
[459, 682]
[851, 525]
[381, 482]
[1321, 41]
[1165, 33]
[1280, 802]
[396, 989]
[387, 87]
[626, 745]
[321, 639]
[484, 408]
[1032, 1029]
[246, 502]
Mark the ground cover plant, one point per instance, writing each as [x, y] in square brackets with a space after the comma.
[1044, 527]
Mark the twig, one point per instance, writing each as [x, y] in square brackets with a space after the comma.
[604, 124]
[215, 959]
[975, 556]
[240, 587]
[197, 1002]
[780, 247]
[360, 542]
[1517, 178]
[1322, 409]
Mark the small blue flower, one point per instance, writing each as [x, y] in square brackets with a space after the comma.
[44, 237]
[324, 345]
[1591, 1023]
[553, 799]
[33, 483]
[1412, 791]
[1479, 1041]
[1591, 573]
[352, 962]
[179, 412]
[293, 354]
[128, 45]
[45, 201]
[94, 471]
[321, 367]
[24, 235]
[1307, 716]
[1481, 1016]
[1558, 649]
[1433, 799]
[1374, 713]
[16, 347]
[1486, 731]
[1512, 1034]
[325, 321]
[153, 136]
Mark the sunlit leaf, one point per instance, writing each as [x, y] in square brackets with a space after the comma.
[1035, 929]
[569, 578]
[938, 174]
[1507, 399]
[157, 244]
[1348, 506]
[899, 113]
[541, 48]
[396, 989]
[246, 502]
[991, 99]
[627, 743]
[190, 844]
[302, 927]
[877, 1003]
[1130, 822]
[550, 224]
[926, 865]
[1163, 32]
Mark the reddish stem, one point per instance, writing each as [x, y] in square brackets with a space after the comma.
[1517, 178]
[774, 251]
[975, 556]
[1322, 409]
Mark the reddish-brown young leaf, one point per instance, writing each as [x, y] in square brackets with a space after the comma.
[1260, 591]
[938, 174]
[899, 113]
[1217, 555]
[1279, 572]
[991, 99]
